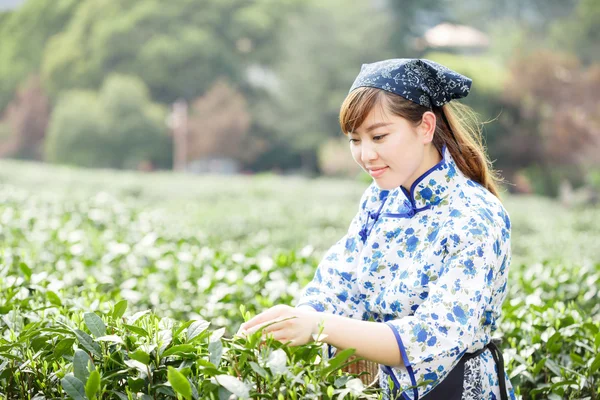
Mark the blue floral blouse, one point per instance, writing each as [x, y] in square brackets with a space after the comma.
[432, 264]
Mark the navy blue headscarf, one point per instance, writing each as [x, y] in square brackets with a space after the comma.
[419, 80]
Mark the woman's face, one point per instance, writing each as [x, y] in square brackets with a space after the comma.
[390, 148]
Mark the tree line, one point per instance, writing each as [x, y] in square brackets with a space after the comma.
[93, 83]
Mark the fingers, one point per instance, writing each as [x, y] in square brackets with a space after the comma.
[280, 336]
[269, 326]
[263, 317]
[271, 331]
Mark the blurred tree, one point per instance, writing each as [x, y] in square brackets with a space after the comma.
[580, 32]
[26, 119]
[117, 128]
[555, 124]
[77, 131]
[218, 125]
[321, 54]
[178, 48]
[335, 158]
[25, 32]
[535, 15]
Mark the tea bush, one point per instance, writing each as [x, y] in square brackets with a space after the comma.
[133, 289]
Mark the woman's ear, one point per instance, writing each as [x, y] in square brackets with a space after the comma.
[427, 126]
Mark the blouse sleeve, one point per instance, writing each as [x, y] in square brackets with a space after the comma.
[333, 288]
[451, 319]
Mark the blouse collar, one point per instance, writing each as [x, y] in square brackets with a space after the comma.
[427, 191]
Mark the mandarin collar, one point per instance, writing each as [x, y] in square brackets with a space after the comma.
[427, 191]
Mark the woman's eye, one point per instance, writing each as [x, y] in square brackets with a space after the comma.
[352, 140]
[379, 137]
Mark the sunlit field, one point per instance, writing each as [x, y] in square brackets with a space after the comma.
[118, 285]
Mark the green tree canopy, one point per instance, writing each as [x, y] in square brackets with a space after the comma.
[177, 48]
[24, 34]
[117, 128]
[322, 53]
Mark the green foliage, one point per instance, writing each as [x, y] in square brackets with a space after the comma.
[178, 50]
[578, 33]
[24, 34]
[163, 363]
[303, 108]
[80, 272]
[118, 128]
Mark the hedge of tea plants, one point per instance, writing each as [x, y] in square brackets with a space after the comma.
[127, 286]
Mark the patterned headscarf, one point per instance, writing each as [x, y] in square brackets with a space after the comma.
[419, 80]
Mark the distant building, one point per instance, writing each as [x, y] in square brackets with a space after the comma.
[453, 38]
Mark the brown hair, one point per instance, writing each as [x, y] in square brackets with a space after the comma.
[468, 150]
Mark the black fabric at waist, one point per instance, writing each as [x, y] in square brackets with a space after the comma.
[497, 354]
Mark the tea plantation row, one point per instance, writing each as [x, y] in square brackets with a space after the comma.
[120, 285]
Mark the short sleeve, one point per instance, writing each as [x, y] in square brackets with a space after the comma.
[333, 288]
[452, 317]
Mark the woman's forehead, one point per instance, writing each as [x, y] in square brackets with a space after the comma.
[378, 117]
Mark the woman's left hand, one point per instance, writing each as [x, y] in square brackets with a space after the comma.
[289, 324]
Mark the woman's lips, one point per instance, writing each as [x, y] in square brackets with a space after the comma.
[376, 173]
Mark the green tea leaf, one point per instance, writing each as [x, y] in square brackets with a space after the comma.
[88, 343]
[74, 387]
[165, 337]
[576, 358]
[63, 347]
[81, 360]
[196, 328]
[53, 298]
[179, 350]
[137, 316]
[141, 356]
[141, 368]
[552, 366]
[277, 362]
[207, 367]
[234, 385]
[595, 365]
[216, 335]
[120, 395]
[215, 349]
[337, 361]
[137, 329]
[136, 384]
[95, 324]
[93, 385]
[25, 270]
[119, 309]
[179, 383]
[258, 369]
[111, 338]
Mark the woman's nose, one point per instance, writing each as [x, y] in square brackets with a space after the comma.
[368, 153]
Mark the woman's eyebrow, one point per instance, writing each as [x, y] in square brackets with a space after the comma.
[378, 125]
[372, 127]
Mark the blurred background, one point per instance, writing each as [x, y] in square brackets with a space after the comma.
[243, 86]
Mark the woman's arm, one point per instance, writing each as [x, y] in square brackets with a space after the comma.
[372, 340]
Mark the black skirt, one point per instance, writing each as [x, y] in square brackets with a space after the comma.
[451, 388]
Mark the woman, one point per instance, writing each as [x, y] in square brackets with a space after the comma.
[426, 257]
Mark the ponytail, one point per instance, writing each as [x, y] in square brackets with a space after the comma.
[460, 131]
